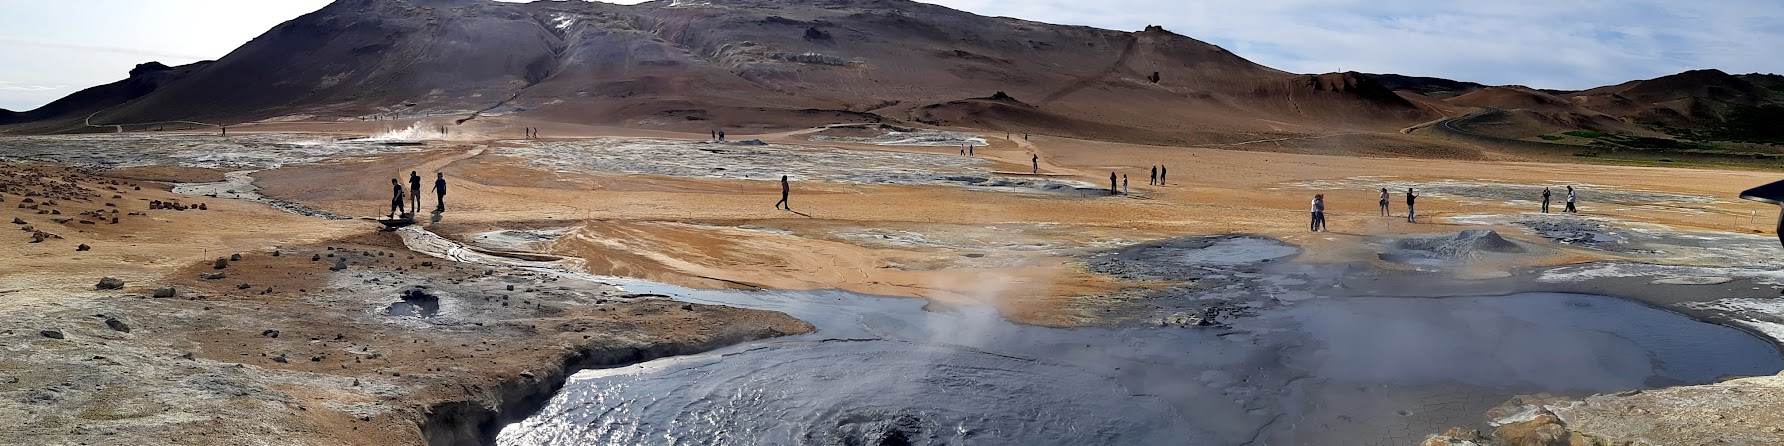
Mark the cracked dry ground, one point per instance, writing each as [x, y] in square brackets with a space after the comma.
[279, 349]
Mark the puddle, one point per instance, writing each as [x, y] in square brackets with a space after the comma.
[415, 303]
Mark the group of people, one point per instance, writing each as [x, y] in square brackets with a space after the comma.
[401, 203]
[1319, 206]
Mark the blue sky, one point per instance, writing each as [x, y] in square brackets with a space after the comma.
[49, 49]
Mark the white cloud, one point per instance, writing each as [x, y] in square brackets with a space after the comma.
[15, 86]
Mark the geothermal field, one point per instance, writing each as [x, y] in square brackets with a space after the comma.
[623, 288]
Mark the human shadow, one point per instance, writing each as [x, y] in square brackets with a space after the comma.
[435, 218]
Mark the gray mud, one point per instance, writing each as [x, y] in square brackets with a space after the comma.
[767, 162]
[1645, 242]
[1513, 193]
[245, 152]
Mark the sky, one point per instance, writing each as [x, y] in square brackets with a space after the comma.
[51, 48]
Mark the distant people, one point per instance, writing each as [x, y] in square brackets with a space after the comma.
[1319, 214]
[969, 150]
[1162, 172]
[1153, 179]
[721, 136]
[396, 197]
[785, 189]
[1411, 200]
[440, 191]
[1572, 196]
[1545, 200]
[1124, 185]
[1112, 189]
[1035, 162]
[225, 130]
[1384, 203]
[415, 190]
[715, 135]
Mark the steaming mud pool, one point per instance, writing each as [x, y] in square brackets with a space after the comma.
[1338, 370]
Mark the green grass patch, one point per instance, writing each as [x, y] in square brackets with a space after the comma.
[1586, 134]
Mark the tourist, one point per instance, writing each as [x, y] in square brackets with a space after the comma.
[1572, 196]
[1112, 189]
[1385, 212]
[715, 135]
[1545, 200]
[415, 190]
[396, 197]
[1162, 172]
[1153, 180]
[721, 136]
[784, 190]
[440, 192]
[1411, 197]
[1124, 184]
[1035, 159]
[1319, 213]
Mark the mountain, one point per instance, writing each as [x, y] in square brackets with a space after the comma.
[1694, 99]
[758, 64]
[1428, 86]
[69, 112]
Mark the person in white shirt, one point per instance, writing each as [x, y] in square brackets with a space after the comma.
[1571, 197]
[1384, 203]
[1319, 213]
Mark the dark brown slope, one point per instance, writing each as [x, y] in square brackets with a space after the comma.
[1690, 100]
[68, 113]
[752, 64]
[1438, 88]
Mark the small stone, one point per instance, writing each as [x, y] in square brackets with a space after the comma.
[18, 221]
[235, 257]
[52, 334]
[339, 265]
[188, 356]
[114, 220]
[213, 276]
[165, 292]
[275, 253]
[271, 333]
[83, 247]
[243, 286]
[687, 307]
[117, 325]
[110, 283]
[510, 287]
[281, 359]
[315, 257]
[221, 263]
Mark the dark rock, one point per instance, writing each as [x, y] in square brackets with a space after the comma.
[115, 324]
[221, 263]
[243, 286]
[275, 253]
[339, 265]
[165, 292]
[83, 247]
[235, 257]
[110, 283]
[281, 359]
[213, 276]
[18, 221]
[52, 334]
[271, 333]
[188, 356]
[315, 257]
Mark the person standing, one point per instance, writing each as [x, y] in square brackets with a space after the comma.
[721, 136]
[1112, 189]
[1572, 196]
[715, 135]
[1384, 203]
[969, 150]
[415, 190]
[1319, 214]
[1411, 199]
[1153, 179]
[396, 197]
[440, 191]
[785, 189]
[1124, 185]
[1162, 173]
[1035, 160]
[1545, 200]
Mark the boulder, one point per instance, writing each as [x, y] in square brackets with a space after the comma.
[235, 257]
[18, 221]
[339, 265]
[221, 263]
[165, 292]
[110, 283]
[52, 334]
[271, 333]
[83, 247]
[116, 325]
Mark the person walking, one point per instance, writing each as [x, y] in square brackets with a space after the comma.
[440, 192]
[1112, 189]
[1035, 160]
[1153, 179]
[1385, 212]
[785, 189]
[969, 150]
[396, 197]
[1545, 200]
[1411, 199]
[415, 190]
[1319, 214]
[1572, 196]
[1162, 172]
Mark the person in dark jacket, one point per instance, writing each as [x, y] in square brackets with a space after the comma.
[415, 191]
[1545, 200]
[1112, 189]
[1411, 198]
[785, 189]
[440, 192]
[396, 197]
